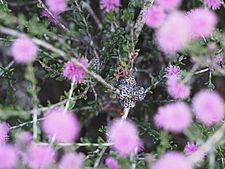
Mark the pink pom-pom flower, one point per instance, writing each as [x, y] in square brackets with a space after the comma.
[61, 125]
[109, 5]
[154, 16]
[39, 155]
[24, 138]
[208, 107]
[124, 137]
[173, 71]
[56, 6]
[4, 130]
[174, 34]
[214, 4]
[24, 50]
[174, 117]
[172, 160]
[112, 163]
[72, 161]
[202, 21]
[190, 148]
[177, 89]
[75, 73]
[8, 157]
[169, 4]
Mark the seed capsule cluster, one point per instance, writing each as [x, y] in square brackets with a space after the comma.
[130, 92]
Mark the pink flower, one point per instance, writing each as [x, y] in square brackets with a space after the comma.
[109, 5]
[56, 6]
[75, 73]
[24, 137]
[174, 117]
[154, 16]
[124, 137]
[52, 18]
[169, 4]
[64, 126]
[8, 157]
[214, 4]
[24, 50]
[174, 34]
[172, 160]
[173, 71]
[190, 148]
[202, 21]
[39, 155]
[208, 107]
[4, 130]
[72, 161]
[177, 89]
[112, 163]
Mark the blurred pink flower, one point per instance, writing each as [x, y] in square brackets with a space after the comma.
[124, 137]
[190, 148]
[64, 126]
[169, 4]
[56, 6]
[174, 117]
[173, 71]
[52, 18]
[8, 157]
[112, 163]
[177, 89]
[72, 161]
[154, 16]
[202, 21]
[208, 107]
[39, 155]
[109, 5]
[24, 50]
[73, 72]
[214, 4]
[172, 160]
[24, 138]
[174, 34]
[4, 130]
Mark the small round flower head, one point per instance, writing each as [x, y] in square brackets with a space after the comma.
[39, 155]
[208, 107]
[202, 21]
[4, 130]
[169, 4]
[8, 157]
[109, 5]
[24, 50]
[214, 4]
[63, 126]
[73, 72]
[190, 148]
[173, 71]
[24, 137]
[56, 6]
[169, 40]
[72, 161]
[177, 89]
[124, 137]
[172, 160]
[174, 117]
[112, 163]
[154, 16]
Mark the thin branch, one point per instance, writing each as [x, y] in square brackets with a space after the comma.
[140, 20]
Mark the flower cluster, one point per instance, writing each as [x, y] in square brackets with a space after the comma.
[75, 73]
